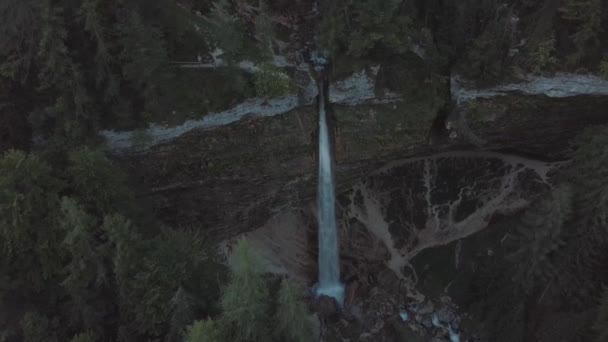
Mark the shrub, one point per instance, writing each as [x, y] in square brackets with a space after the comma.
[604, 69]
[203, 331]
[270, 82]
[293, 321]
[543, 57]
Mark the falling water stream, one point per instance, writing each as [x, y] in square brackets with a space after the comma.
[329, 263]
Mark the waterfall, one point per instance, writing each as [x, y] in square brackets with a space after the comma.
[329, 260]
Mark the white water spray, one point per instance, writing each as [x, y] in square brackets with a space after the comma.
[329, 260]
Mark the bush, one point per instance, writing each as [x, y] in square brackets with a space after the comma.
[203, 331]
[293, 321]
[270, 82]
[543, 57]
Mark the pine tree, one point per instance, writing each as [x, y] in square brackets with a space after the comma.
[96, 24]
[586, 16]
[18, 37]
[540, 232]
[293, 323]
[86, 272]
[587, 238]
[182, 314]
[37, 328]
[226, 30]
[143, 58]
[98, 184]
[378, 25]
[152, 276]
[29, 236]
[263, 29]
[246, 300]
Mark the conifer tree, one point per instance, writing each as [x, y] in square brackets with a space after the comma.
[293, 323]
[246, 300]
[86, 273]
[226, 30]
[29, 236]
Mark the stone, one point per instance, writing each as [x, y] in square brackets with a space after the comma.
[427, 322]
[445, 315]
[327, 307]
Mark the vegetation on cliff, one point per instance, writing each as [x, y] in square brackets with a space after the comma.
[83, 258]
[76, 258]
[249, 313]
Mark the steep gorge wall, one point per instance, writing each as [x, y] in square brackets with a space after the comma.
[234, 177]
[397, 211]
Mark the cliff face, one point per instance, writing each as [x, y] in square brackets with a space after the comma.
[231, 178]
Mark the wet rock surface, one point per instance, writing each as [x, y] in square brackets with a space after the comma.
[413, 234]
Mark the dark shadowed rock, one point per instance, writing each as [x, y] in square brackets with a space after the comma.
[327, 307]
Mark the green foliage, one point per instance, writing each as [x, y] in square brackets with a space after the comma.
[183, 312]
[87, 272]
[590, 176]
[226, 30]
[249, 311]
[153, 275]
[292, 317]
[70, 112]
[18, 38]
[356, 28]
[578, 266]
[37, 328]
[604, 69]
[203, 331]
[143, 59]
[379, 24]
[29, 237]
[84, 337]
[540, 232]
[52, 49]
[99, 185]
[246, 300]
[488, 55]
[96, 24]
[543, 57]
[426, 89]
[585, 19]
[264, 32]
[270, 82]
